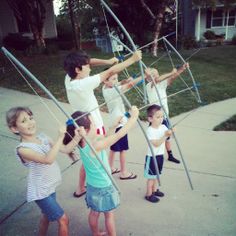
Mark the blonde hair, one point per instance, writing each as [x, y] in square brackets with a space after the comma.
[13, 114]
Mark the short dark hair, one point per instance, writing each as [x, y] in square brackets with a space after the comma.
[82, 121]
[151, 110]
[73, 60]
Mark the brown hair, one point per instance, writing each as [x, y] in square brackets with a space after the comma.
[82, 121]
[13, 114]
[152, 110]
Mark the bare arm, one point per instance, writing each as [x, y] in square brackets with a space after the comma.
[176, 73]
[120, 66]
[28, 154]
[131, 83]
[108, 141]
[103, 62]
[72, 144]
[158, 142]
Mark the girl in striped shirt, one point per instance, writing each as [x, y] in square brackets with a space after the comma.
[38, 153]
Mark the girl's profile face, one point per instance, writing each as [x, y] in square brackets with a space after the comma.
[25, 124]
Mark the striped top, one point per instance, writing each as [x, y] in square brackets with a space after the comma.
[42, 178]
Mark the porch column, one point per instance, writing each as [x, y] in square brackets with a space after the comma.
[227, 25]
[198, 23]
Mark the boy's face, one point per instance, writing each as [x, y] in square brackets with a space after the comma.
[85, 72]
[25, 124]
[154, 74]
[156, 119]
[110, 82]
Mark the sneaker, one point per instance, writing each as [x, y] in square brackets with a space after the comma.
[158, 193]
[152, 198]
[171, 158]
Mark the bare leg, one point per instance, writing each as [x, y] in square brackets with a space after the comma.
[168, 146]
[63, 223]
[154, 187]
[111, 159]
[150, 184]
[123, 171]
[43, 225]
[123, 164]
[93, 222]
[110, 223]
[81, 185]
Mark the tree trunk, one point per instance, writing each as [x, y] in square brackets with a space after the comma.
[157, 30]
[75, 29]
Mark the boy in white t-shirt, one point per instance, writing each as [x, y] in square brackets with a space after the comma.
[118, 119]
[157, 133]
[80, 86]
[162, 82]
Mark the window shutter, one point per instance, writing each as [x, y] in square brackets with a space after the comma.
[208, 18]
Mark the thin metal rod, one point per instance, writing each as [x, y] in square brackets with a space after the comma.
[144, 133]
[166, 115]
[130, 40]
[189, 71]
[31, 76]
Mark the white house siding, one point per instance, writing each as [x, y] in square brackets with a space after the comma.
[50, 30]
[8, 22]
[217, 30]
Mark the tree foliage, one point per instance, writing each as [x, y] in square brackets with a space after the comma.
[138, 21]
[213, 3]
[35, 13]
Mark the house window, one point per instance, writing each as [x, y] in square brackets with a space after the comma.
[219, 18]
[231, 20]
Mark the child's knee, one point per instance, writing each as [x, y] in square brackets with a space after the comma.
[64, 220]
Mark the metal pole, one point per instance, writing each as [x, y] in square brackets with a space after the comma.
[27, 72]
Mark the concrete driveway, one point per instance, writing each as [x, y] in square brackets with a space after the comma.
[209, 209]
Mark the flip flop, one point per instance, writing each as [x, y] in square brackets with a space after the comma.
[115, 171]
[131, 176]
[78, 195]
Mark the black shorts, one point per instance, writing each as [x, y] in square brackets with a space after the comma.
[121, 144]
[149, 168]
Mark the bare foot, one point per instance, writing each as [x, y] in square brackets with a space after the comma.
[101, 233]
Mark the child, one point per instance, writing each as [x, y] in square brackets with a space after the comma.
[80, 87]
[38, 153]
[157, 134]
[101, 195]
[162, 82]
[116, 110]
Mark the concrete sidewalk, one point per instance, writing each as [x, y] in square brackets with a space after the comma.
[209, 209]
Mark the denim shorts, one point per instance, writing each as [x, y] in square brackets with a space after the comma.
[102, 199]
[50, 207]
[149, 168]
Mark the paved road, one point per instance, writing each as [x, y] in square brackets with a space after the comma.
[209, 209]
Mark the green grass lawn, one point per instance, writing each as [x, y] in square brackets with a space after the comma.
[213, 68]
[228, 125]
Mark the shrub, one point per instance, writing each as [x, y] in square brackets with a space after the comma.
[234, 40]
[209, 34]
[188, 42]
[17, 41]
